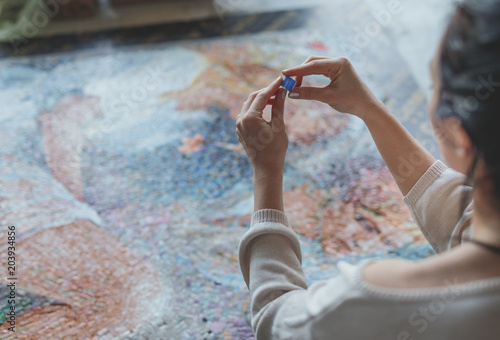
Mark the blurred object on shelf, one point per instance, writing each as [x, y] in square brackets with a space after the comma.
[23, 19]
[19, 18]
[75, 9]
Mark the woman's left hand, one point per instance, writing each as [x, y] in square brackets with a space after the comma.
[264, 142]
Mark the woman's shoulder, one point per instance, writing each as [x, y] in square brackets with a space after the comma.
[457, 267]
[390, 273]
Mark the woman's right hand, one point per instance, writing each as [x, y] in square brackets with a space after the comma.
[346, 92]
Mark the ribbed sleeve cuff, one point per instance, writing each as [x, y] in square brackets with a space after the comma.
[269, 215]
[424, 182]
[266, 225]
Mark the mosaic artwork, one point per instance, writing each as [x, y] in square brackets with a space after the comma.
[122, 173]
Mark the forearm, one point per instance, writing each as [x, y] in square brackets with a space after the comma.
[268, 189]
[405, 157]
[270, 260]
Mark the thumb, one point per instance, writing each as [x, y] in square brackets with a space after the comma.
[307, 93]
[278, 107]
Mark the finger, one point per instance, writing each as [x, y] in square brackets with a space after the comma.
[272, 99]
[278, 108]
[260, 102]
[240, 139]
[308, 93]
[317, 66]
[308, 60]
[311, 58]
[248, 102]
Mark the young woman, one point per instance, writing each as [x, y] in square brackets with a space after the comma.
[454, 295]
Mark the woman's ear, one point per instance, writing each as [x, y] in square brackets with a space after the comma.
[459, 151]
[457, 134]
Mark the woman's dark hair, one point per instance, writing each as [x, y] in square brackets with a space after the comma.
[470, 86]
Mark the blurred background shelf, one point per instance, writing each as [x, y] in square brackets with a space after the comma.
[116, 14]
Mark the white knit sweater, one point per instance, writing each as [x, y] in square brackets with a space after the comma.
[346, 306]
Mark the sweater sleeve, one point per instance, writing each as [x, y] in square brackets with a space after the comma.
[271, 263]
[283, 306]
[435, 203]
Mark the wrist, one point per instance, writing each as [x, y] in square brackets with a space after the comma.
[267, 172]
[373, 112]
[267, 181]
[268, 190]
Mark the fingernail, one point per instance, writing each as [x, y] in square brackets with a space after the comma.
[283, 94]
[294, 95]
